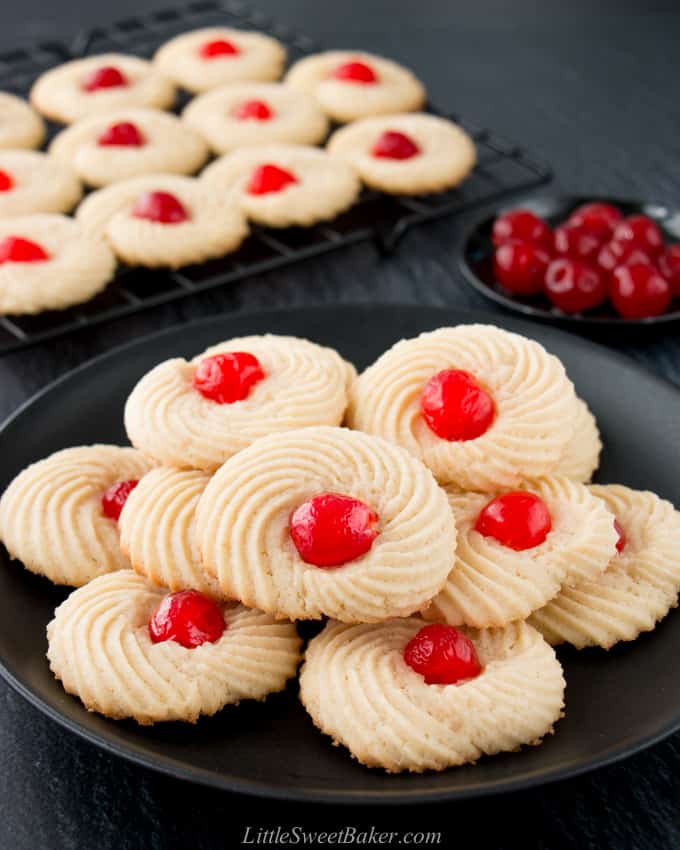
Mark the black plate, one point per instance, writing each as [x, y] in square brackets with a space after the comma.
[617, 701]
[476, 263]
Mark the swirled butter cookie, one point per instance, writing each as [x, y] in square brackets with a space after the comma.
[351, 85]
[407, 697]
[127, 649]
[483, 408]
[99, 84]
[247, 114]
[199, 413]
[48, 262]
[59, 516]
[207, 58]
[326, 521]
[33, 182]
[406, 154]
[516, 550]
[285, 185]
[164, 220]
[127, 143]
[157, 530]
[637, 589]
[20, 125]
[581, 457]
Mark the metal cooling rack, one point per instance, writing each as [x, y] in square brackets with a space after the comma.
[503, 169]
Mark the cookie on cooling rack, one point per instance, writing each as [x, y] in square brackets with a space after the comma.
[164, 220]
[59, 516]
[127, 649]
[127, 143]
[207, 58]
[157, 530]
[637, 589]
[242, 115]
[48, 262]
[406, 154]
[408, 697]
[33, 182]
[326, 521]
[515, 550]
[349, 85]
[21, 126]
[286, 185]
[198, 413]
[483, 408]
[100, 84]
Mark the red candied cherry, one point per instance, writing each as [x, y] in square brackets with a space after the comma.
[114, 499]
[269, 178]
[253, 110]
[455, 407]
[355, 72]
[16, 249]
[161, 207]
[577, 242]
[574, 286]
[599, 219]
[669, 266]
[218, 47]
[332, 529]
[616, 253]
[522, 225]
[621, 542]
[442, 655]
[520, 267]
[107, 77]
[639, 291]
[641, 230]
[519, 520]
[226, 378]
[395, 145]
[122, 134]
[189, 618]
[6, 182]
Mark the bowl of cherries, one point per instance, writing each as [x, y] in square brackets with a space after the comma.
[576, 260]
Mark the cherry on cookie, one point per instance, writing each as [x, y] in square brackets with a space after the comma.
[395, 145]
[115, 497]
[16, 249]
[217, 48]
[268, 178]
[253, 110]
[161, 207]
[455, 407]
[355, 72]
[621, 542]
[189, 618]
[108, 77]
[332, 529]
[6, 182]
[442, 655]
[122, 134]
[518, 520]
[226, 378]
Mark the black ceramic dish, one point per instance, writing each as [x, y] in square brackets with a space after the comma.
[617, 702]
[476, 263]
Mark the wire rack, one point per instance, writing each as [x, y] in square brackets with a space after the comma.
[503, 169]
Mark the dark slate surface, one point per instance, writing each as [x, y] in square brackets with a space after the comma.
[592, 88]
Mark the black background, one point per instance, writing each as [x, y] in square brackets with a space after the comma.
[592, 87]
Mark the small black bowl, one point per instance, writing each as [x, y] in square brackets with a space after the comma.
[476, 263]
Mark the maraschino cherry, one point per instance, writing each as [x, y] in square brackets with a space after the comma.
[268, 178]
[122, 134]
[641, 230]
[638, 291]
[616, 253]
[218, 47]
[332, 529]
[395, 145]
[253, 110]
[189, 618]
[574, 286]
[114, 499]
[6, 182]
[455, 407]
[598, 218]
[160, 207]
[669, 266]
[226, 378]
[355, 72]
[523, 225]
[442, 655]
[107, 77]
[519, 520]
[577, 242]
[520, 267]
[621, 542]
[16, 249]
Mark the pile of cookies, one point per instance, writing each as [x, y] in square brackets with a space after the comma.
[434, 512]
[148, 209]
